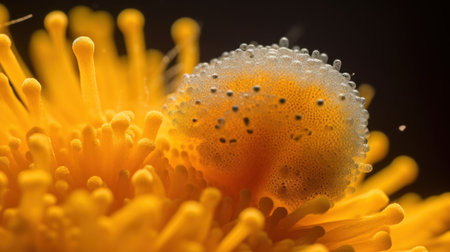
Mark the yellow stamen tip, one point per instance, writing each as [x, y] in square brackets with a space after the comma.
[61, 187]
[146, 144]
[76, 145]
[14, 143]
[32, 90]
[37, 142]
[49, 199]
[130, 19]
[94, 182]
[103, 197]
[83, 46]
[142, 181]
[185, 29]
[394, 213]
[190, 210]
[379, 146]
[120, 122]
[62, 172]
[41, 151]
[5, 42]
[210, 197]
[252, 219]
[31, 87]
[153, 120]
[55, 21]
[408, 167]
[55, 213]
[103, 194]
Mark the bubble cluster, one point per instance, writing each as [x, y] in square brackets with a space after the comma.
[275, 120]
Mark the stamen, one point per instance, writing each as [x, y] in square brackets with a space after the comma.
[368, 92]
[94, 182]
[99, 26]
[210, 199]
[153, 120]
[179, 179]
[11, 66]
[367, 203]
[250, 221]
[423, 249]
[61, 188]
[441, 243]
[56, 23]
[34, 184]
[402, 171]
[306, 235]
[42, 152]
[48, 68]
[14, 144]
[213, 239]
[62, 172]
[348, 229]
[158, 186]
[144, 147]
[379, 242]
[11, 101]
[225, 210]
[245, 196]
[131, 23]
[284, 245]
[322, 248]
[155, 71]
[184, 223]
[49, 200]
[315, 206]
[83, 48]
[142, 182]
[405, 234]
[265, 206]
[4, 17]
[185, 33]
[103, 198]
[278, 214]
[379, 147]
[76, 148]
[120, 124]
[32, 90]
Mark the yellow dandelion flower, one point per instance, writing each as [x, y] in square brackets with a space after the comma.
[262, 149]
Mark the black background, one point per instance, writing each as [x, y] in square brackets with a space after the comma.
[397, 47]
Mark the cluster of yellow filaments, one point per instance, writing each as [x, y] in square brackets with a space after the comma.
[86, 163]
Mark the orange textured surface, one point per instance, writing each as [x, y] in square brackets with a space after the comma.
[276, 121]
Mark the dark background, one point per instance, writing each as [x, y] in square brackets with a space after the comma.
[399, 48]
